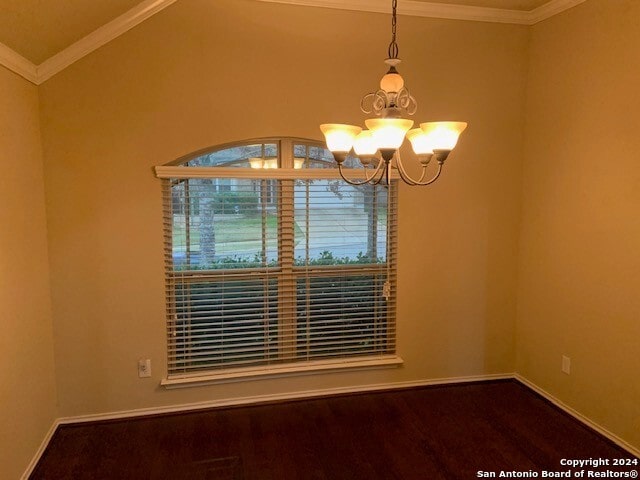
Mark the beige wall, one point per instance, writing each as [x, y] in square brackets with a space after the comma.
[579, 274]
[27, 395]
[202, 73]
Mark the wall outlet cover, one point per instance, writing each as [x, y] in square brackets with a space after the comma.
[566, 365]
[144, 368]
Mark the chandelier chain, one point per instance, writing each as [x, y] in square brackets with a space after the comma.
[393, 46]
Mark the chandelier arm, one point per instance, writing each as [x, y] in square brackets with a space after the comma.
[403, 173]
[424, 174]
[368, 179]
[387, 173]
[407, 178]
[434, 178]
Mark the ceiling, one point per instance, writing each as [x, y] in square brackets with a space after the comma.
[39, 38]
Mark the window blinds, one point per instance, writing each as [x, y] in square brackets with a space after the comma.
[270, 271]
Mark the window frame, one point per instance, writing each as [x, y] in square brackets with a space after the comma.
[286, 174]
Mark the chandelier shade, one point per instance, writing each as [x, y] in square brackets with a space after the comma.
[365, 145]
[388, 133]
[443, 135]
[420, 142]
[340, 137]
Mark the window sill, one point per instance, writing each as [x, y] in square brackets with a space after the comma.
[276, 371]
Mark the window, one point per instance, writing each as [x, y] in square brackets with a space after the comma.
[272, 261]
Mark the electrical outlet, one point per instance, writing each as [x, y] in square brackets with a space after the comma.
[144, 368]
[566, 365]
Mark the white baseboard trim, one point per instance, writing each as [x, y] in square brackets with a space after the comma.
[257, 399]
[578, 416]
[43, 446]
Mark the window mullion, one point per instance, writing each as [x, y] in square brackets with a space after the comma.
[286, 153]
[287, 284]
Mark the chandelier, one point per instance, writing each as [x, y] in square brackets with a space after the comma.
[378, 147]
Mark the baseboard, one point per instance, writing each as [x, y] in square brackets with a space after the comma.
[305, 394]
[258, 399]
[40, 451]
[578, 416]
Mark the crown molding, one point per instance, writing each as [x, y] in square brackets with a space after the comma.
[550, 9]
[100, 37]
[18, 64]
[420, 9]
[125, 22]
